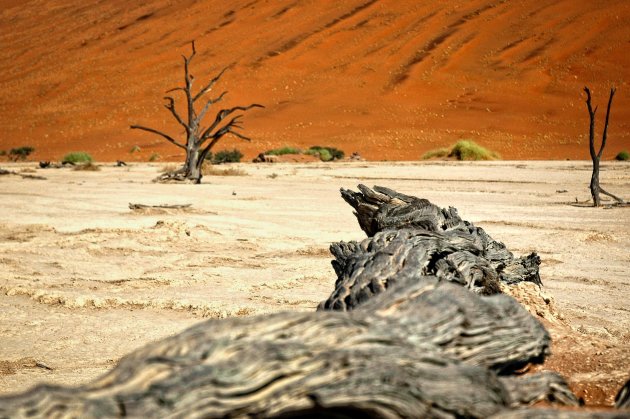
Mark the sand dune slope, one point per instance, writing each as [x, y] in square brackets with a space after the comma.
[390, 78]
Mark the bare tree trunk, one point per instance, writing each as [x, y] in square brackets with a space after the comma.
[596, 157]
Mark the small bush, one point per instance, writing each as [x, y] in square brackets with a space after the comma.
[154, 157]
[463, 150]
[134, 149]
[77, 157]
[3, 152]
[227, 156]
[437, 153]
[623, 155]
[469, 150]
[282, 151]
[20, 153]
[326, 153]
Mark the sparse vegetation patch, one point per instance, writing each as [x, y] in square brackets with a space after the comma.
[623, 155]
[436, 154]
[326, 153]
[77, 157]
[227, 156]
[210, 170]
[20, 153]
[282, 151]
[463, 150]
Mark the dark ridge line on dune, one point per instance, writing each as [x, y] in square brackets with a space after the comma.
[136, 20]
[537, 51]
[540, 9]
[283, 11]
[413, 28]
[512, 44]
[250, 4]
[440, 180]
[457, 47]
[294, 42]
[434, 43]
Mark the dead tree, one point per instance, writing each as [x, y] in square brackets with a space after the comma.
[596, 189]
[200, 139]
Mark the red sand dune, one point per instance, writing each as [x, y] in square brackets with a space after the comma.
[388, 78]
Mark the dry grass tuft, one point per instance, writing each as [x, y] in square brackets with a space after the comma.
[168, 168]
[210, 170]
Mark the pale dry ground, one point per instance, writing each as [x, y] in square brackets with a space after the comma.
[84, 280]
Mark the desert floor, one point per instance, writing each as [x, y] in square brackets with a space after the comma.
[85, 280]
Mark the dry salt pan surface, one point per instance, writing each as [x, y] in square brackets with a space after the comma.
[85, 280]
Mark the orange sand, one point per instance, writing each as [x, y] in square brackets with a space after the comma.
[390, 79]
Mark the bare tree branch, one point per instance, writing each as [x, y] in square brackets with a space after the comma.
[209, 85]
[591, 114]
[210, 103]
[168, 137]
[188, 90]
[605, 134]
[616, 198]
[171, 107]
[221, 115]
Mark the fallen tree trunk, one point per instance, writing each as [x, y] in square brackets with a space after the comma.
[401, 355]
[427, 347]
[411, 237]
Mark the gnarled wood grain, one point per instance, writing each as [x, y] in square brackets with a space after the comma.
[411, 237]
[427, 349]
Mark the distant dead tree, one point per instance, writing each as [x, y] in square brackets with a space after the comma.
[199, 139]
[595, 188]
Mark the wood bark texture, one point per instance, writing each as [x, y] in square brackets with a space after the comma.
[411, 237]
[422, 346]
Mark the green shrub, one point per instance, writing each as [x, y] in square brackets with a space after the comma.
[282, 151]
[437, 153]
[77, 157]
[3, 152]
[20, 153]
[469, 150]
[326, 153]
[155, 157]
[134, 149]
[227, 156]
[623, 155]
[463, 150]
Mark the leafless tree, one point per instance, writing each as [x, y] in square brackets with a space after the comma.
[200, 139]
[596, 189]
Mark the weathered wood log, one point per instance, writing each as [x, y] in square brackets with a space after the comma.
[163, 206]
[428, 350]
[411, 237]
